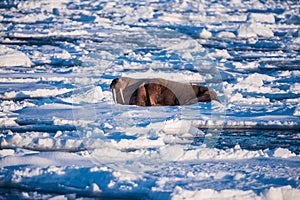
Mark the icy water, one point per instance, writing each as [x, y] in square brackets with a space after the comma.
[62, 136]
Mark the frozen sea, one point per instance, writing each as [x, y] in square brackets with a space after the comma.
[63, 137]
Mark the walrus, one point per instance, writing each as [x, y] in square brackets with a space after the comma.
[159, 92]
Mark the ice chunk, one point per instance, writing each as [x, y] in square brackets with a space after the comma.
[297, 110]
[180, 193]
[92, 95]
[225, 34]
[220, 54]
[38, 93]
[256, 79]
[286, 192]
[283, 153]
[295, 88]
[250, 65]
[254, 30]
[205, 34]
[11, 57]
[8, 121]
[261, 17]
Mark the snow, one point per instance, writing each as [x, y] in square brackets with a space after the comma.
[63, 137]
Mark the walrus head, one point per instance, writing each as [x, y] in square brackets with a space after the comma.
[117, 86]
[113, 83]
[119, 83]
[123, 88]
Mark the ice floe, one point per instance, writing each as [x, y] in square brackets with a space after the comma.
[61, 131]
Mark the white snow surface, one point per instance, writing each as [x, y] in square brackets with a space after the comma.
[63, 137]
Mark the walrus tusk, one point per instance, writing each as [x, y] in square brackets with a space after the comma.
[121, 92]
[114, 95]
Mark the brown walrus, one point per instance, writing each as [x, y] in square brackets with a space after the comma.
[159, 92]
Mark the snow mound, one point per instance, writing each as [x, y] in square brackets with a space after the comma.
[205, 34]
[10, 57]
[283, 153]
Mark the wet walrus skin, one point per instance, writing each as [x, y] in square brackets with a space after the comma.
[158, 92]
